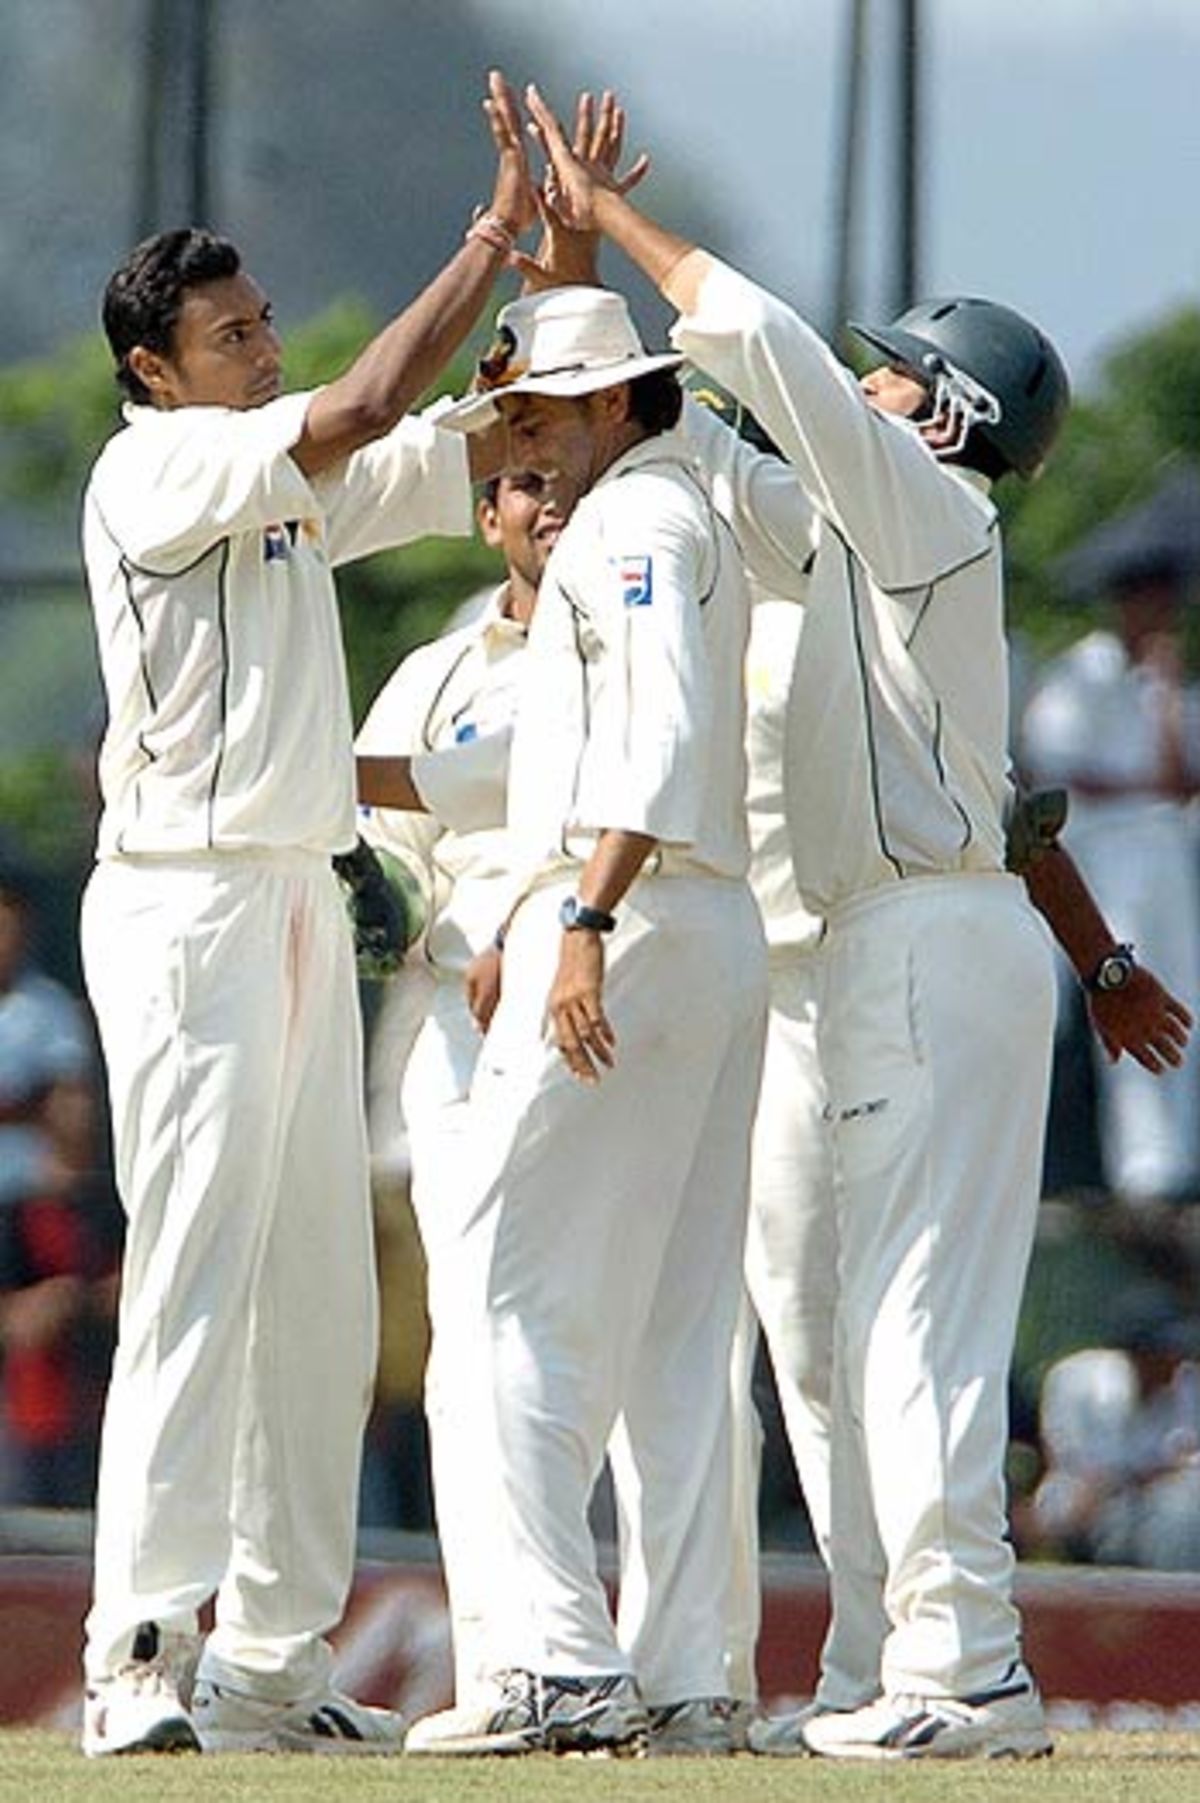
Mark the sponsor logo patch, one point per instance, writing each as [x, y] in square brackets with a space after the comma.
[637, 580]
[862, 1111]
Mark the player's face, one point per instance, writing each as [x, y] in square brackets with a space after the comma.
[560, 437]
[225, 351]
[526, 518]
[893, 391]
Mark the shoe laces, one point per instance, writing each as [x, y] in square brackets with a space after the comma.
[908, 1704]
[150, 1677]
[581, 1690]
[168, 1671]
[518, 1694]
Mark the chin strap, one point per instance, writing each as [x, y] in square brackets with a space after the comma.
[956, 403]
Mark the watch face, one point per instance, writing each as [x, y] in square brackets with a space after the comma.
[1115, 971]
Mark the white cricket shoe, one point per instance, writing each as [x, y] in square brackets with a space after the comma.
[782, 1736]
[142, 1707]
[699, 1725]
[1004, 1722]
[745, 1713]
[230, 1721]
[532, 1714]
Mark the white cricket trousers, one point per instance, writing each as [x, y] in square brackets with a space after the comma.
[935, 1044]
[435, 1100]
[225, 993]
[791, 1281]
[607, 1238]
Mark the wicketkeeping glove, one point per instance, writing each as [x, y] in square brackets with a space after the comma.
[1033, 826]
[377, 898]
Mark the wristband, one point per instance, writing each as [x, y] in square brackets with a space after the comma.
[490, 229]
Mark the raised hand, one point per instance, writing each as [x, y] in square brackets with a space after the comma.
[513, 198]
[577, 172]
[568, 253]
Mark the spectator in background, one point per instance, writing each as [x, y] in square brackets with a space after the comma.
[1119, 1426]
[1116, 721]
[44, 1036]
[59, 1224]
[60, 1245]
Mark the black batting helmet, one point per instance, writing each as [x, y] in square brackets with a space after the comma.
[1016, 391]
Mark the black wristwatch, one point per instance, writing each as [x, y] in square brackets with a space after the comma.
[577, 917]
[1113, 971]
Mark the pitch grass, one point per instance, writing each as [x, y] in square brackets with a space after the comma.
[37, 1766]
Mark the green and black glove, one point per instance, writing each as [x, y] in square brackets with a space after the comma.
[380, 903]
[1033, 825]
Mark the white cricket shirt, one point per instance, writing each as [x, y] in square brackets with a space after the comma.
[632, 704]
[457, 692]
[775, 635]
[209, 558]
[897, 729]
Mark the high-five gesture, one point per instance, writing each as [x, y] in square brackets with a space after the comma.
[588, 197]
[513, 201]
[577, 171]
[567, 253]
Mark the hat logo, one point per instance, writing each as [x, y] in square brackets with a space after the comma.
[496, 368]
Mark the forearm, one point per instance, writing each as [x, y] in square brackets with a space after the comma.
[386, 782]
[672, 263]
[617, 858]
[1059, 893]
[398, 365]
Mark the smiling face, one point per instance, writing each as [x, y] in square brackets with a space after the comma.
[225, 351]
[525, 521]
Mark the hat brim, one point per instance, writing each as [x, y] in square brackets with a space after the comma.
[475, 412]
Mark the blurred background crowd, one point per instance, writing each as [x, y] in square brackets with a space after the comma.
[286, 126]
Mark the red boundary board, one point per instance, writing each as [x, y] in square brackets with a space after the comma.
[1095, 1637]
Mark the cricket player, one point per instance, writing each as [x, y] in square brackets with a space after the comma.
[219, 961]
[791, 1249]
[456, 691]
[608, 1156]
[937, 1017]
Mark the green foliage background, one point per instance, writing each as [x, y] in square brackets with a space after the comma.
[1114, 451]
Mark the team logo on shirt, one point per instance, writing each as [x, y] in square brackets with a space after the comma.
[636, 576]
[279, 539]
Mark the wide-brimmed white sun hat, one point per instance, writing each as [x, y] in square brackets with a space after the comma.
[562, 341]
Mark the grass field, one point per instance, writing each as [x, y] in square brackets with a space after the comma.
[40, 1767]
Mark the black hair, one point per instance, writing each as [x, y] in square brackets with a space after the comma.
[656, 400]
[144, 297]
